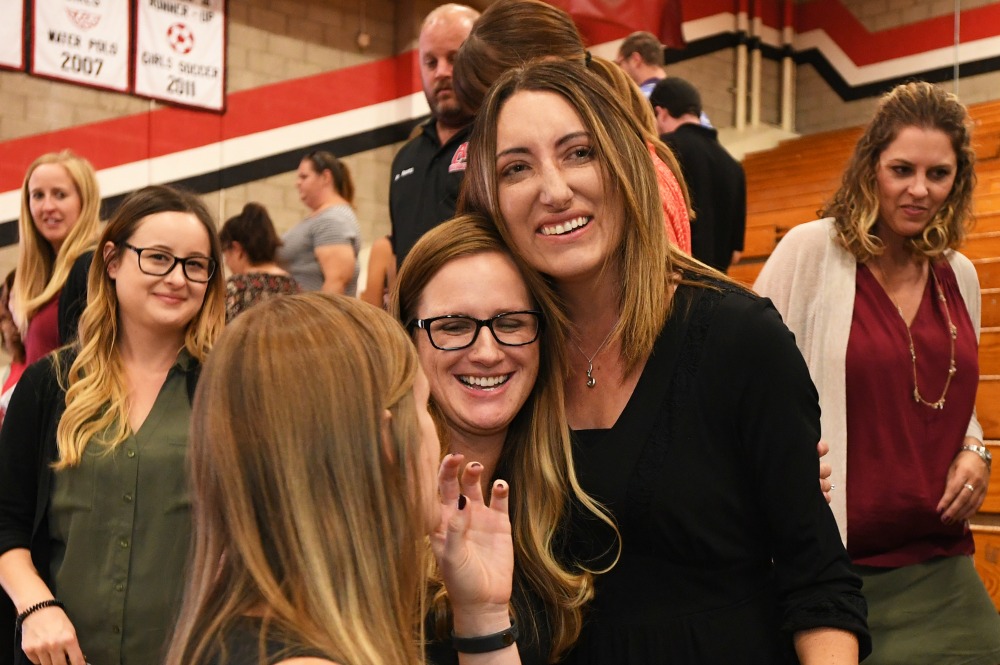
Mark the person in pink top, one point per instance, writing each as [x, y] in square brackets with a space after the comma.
[11, 338]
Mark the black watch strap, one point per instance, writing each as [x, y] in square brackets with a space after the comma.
[486, 643]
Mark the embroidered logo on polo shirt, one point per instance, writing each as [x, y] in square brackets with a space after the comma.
[458, 161]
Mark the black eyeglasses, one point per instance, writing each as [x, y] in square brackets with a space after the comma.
[159, 262]
[455, 331]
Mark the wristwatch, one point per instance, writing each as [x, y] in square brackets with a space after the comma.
[983, 452]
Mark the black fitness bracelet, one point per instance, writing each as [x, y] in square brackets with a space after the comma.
[51, 602]
[486, 643]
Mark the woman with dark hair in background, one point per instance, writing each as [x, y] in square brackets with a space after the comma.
[321, 251]
[94, 506]
[886, 313]
[249, 243]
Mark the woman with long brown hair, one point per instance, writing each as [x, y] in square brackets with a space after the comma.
[699, 440]
[94, 507]
[495, 371]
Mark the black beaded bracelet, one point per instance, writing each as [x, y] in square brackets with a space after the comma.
[486, 643]
[51, 602]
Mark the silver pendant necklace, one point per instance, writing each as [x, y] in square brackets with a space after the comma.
[591, 381]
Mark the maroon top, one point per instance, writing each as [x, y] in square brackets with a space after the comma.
[899, 450]
[43, 332]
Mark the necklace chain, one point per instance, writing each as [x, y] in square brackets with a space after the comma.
[591, 381]
[952, 336]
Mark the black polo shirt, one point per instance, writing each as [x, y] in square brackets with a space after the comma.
[426, 178]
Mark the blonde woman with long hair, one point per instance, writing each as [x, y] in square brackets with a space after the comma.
[495, 370]
[58, 224]
[313, 498]
[94, 506]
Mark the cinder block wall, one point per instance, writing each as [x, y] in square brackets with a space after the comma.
[269, 41]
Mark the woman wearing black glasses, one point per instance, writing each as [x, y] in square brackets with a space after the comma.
[321, 251]
[497, 398]
[94, 506]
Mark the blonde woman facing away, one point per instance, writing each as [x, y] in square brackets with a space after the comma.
[313, 500]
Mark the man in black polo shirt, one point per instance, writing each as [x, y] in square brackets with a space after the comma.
[427, 172]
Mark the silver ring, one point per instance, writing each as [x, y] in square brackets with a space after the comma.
[970, 487]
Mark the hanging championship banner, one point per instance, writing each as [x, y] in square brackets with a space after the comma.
[12, 34]
[83, 41]
[180, 52]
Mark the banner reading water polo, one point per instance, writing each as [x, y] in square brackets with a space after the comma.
[83, 41]
[12, 34]
[180, 52]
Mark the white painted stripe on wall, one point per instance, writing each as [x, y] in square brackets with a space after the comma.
[232, 152]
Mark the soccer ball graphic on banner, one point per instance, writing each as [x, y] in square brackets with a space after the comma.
[181, 38]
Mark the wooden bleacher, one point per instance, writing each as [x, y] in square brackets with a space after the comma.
[788, 184]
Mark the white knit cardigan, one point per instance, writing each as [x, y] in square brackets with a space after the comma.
[810, 277]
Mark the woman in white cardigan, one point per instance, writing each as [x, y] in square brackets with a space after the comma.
[886, 313]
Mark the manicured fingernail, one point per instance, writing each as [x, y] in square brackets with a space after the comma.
[476, 465]
[501, 485]
[461, 501]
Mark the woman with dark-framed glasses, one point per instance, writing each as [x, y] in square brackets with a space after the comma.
[479, 327]
[94, 506]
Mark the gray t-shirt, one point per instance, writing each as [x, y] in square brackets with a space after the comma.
[336, 225]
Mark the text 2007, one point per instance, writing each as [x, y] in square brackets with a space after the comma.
[81, 64]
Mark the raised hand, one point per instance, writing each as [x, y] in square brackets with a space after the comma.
[473, 548]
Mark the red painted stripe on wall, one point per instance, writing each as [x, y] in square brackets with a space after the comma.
[168, 130]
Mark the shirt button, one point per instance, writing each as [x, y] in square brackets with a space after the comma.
[116, 629]
[130, 453]
[123, 543]
[127, 498]
[119, 587]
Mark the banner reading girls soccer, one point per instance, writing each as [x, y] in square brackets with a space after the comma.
[83, 41]
[12, 34]
[180, 51]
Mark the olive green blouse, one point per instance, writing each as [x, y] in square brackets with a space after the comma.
[120, 524]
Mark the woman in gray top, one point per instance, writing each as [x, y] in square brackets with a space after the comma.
[321, 251]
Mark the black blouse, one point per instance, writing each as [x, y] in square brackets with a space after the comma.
[728, 547]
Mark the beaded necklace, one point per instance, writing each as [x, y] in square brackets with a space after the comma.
[953, 335]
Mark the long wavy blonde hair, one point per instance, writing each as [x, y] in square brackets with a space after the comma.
[855, 205]
[536, 455]
[96, 394]
[41, 272]
[305, 514]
